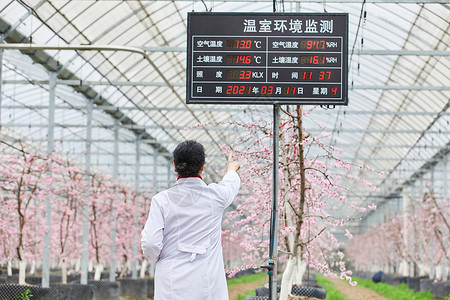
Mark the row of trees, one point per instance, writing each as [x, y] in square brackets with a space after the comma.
[413, 242]
[310, 192]
[27, 179]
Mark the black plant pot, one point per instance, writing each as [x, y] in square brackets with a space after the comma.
[34, 280]
[14, 291]
[150, 288]
[263, 291]
[106, 290]
[440, 289]
[309, 291]
[71, 291]
[393, 279]
[134, 288]
[425, 284]
[413, 283]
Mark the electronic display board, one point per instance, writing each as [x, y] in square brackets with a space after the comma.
[267, 58]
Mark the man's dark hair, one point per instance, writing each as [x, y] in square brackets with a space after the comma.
[189, 157]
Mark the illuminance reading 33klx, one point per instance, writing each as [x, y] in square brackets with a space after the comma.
[267, 58]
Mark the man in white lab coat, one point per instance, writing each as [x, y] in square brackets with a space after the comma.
[183, 230]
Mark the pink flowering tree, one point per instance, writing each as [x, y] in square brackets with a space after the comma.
[143, 207]
[28, 179]
[25, 179]
[69, 190]
[421, 238]
[101, 201]
[128, 212]
[430, 223]
[310, 189]
[381, 247]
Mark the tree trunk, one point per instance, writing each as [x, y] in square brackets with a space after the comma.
[78, 265]
[9, 268]
[22, 271]
[124, 269]
[64, 271]
[98, 271]
[286, 282]
[299, 271]
[143, 268]
[90, 266]
[33, 267]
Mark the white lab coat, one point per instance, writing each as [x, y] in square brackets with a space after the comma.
[183, 236]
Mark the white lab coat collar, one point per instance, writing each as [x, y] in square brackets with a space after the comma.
[191, 181]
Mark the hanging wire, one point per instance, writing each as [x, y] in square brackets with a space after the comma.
[31, 28]
[357, 33]
[282, 8]
[324, 6]
[362, 40]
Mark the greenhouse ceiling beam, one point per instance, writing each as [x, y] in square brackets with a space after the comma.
[205, 142]
[130, 141]
[31, 48]
[223, 128]
[433, 161]
[229, 109]
[80, 82]
[362, 52]
[48, 62]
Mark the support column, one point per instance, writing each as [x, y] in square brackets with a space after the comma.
[420, 237]
[85, 238]
[136, 223]
[48, 204]
[273, 249]
[169, 170]
[404, 270]
[112, 268]
[445, 199]
[155, 170]
[1, 80]
[431, 249]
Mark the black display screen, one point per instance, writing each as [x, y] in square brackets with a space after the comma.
[257, 58]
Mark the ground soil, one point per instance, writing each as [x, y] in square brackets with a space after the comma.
[355, 292]
[242, 288]
[350, 292]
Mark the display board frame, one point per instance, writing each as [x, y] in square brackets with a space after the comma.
[320, 53]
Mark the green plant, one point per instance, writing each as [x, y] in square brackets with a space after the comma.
[400, 292]
[246, 279]
[26, 295]
[242, 296]
[332, 293]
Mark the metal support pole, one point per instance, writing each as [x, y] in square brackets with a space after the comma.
[1, 72]
[85, 238]
[112, 269]
[48, 204]
[273, 250]
[432, 274]
[169, 169]
[406, 245]
[136, 225]
[155, 170]
[445, 199]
